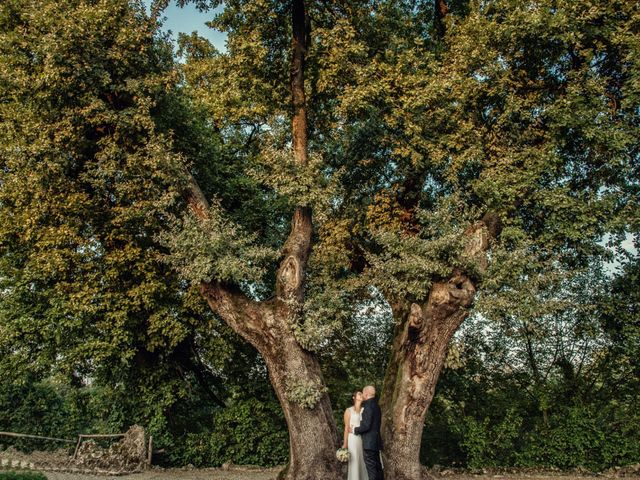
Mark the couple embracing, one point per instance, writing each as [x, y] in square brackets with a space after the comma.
[362, 436]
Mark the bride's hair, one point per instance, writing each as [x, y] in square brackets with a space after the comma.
[353, 397]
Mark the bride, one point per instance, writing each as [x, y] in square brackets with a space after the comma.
[357, 469]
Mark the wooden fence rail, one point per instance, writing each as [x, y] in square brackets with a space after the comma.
[24, 435]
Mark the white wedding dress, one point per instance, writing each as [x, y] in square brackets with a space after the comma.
[357, 469]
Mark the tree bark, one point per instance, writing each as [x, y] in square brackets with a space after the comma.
[312, 431]
[441, 10]
[419, 350]
[268, 325]
[421, 341]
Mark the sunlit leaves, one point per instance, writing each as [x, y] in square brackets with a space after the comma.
[216, 249]
[87, 179]
[407, 264]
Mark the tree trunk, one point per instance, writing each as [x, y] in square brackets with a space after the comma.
[312, 431]
[419, 350]
[421, 341]
[295, 376]
[294, 372]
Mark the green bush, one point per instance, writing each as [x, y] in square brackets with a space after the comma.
[21, 476]
[38, 408]
[248, 431]
[593, 436]
[185, 423]
[584, 436]
[487, 443]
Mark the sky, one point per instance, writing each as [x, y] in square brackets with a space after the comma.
[187, 20]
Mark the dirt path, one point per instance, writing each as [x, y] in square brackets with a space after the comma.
[177, 474]
[271, 474]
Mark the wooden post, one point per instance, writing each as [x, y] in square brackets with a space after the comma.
[150, 450]
[75, 453]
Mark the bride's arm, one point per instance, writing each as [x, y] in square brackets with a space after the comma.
[347, 419]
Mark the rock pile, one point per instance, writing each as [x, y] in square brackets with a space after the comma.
[129, 455]
[626, 471]
[126, 456]
[16, 460]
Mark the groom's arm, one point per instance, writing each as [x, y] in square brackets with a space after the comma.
[365, 422]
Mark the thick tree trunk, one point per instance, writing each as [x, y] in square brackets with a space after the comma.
[419, 350]
[295, 376]
[294, 372]
[312, 431]
[421, 341]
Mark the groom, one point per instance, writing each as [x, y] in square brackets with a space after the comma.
[369, 430]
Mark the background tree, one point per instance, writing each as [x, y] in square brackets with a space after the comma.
[95, 135]
[540, 389]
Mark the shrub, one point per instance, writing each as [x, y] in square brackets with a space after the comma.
[584, 436]
[37, 408]
[486, 443]
[247, 432]
[22, 476]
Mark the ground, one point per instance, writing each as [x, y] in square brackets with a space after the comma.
[178, 474]
[271, 474]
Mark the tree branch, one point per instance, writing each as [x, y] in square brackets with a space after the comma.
[441, 10]
[241, 313]
[244, 315]
[195, 199]
[292, 269]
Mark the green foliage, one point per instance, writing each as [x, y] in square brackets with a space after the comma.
[326, 310]
[407, 264]
[243, 433]
[82, 285]
[180, 413]
[580, 436]
[98, 130]
[91, 107]
[484, 443]
[216, 249]
[576, 436]
[508, 114]
[22, 476]
[38, 408]
[542, 388]
[528, 110]
[305, 393]
[307, 185]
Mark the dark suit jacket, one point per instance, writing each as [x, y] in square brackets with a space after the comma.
[369, 428]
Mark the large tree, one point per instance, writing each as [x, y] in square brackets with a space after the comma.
[528, 119]
[210, 241]
[443, 131]
[89, 99]
[86, 180]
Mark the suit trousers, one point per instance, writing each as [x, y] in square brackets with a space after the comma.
[372, 462]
